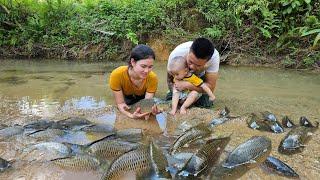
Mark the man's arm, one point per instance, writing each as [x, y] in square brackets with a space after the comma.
[210, 80]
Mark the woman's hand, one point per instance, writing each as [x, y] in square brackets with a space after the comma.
[155, 110]
[123, 107]
[138, 115]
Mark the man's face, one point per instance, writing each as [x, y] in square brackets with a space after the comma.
[194, 63]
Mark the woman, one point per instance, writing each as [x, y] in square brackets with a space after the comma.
[134, 82]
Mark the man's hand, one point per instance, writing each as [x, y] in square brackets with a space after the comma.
[182, 85]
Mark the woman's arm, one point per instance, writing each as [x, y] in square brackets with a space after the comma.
[123, 107]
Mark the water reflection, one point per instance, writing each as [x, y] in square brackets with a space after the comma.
[47, 107]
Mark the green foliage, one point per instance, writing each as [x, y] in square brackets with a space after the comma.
[286, 28]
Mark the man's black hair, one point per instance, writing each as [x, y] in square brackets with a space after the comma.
[202, 48]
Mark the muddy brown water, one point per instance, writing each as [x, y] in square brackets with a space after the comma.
[55, 90]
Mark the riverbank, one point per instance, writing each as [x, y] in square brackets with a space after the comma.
[106, 30]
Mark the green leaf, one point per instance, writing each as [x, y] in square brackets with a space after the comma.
[316, 40]
[307, 1]
[310, 32]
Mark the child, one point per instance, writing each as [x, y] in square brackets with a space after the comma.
[179, 70]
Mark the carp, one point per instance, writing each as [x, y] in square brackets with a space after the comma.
[197, 132]
[145, 105]
[78, 162]
[268, 116]
[287, 122]
[253, 151]
[206, 156]
[145, 161]
[11, 131]
[225, 173]
[135, 161]
[264, 125]
[295, 140]
[110, 148]
[71, 123]
[279, 167]
[4, 164]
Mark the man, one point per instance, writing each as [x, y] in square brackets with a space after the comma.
[203, 60]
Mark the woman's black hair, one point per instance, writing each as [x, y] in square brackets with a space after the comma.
[202, 48]
[140, 52]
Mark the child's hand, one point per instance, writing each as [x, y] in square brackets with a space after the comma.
[183, 110]
[172, 112]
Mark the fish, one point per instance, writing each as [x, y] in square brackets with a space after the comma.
[48, 134]
[144, 104]
[268, 116]
[305, 122]
[280, 167]
[264, 125]
[4, 164]
[82, 137]
[221, 172]
[110, 148]
[11, 131]
[39, 124]
[253, 151]
[137, 161]
[159, 161]
[255, 123]
[294, 142]
[78, 162]
[71, 123]
[217, 121]
[206, 156]
[287, 122]
[197, 132]
[224, 115]
[131, 134]
[224, 112]
[2, 126]
[46, 151]
[97, 128]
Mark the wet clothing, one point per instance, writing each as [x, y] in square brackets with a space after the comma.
[119, 80]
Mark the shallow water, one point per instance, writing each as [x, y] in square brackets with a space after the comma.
[55, 90]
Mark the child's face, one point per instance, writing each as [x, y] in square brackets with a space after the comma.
[179, 75]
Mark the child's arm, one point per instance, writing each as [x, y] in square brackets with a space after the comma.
[208, 91]
[175, 100]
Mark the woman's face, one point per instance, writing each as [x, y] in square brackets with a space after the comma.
[142, 67]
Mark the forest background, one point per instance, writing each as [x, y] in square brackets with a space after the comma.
[284, 33]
